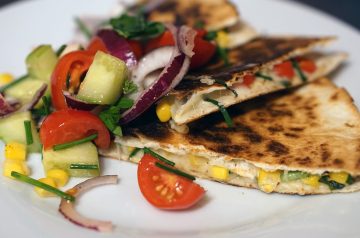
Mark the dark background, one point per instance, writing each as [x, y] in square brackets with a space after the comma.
[347, 10]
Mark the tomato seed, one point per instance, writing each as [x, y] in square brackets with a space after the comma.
[159, 187]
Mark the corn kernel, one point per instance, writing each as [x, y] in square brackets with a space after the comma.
[130, 149]
[15, 151]
[220, 173]
[5, 78]
[268, 180]
[312, 180]
[15, 165]
[61, 177]
[163, 111]
[340, 177]
[43, 193]
[222, 39]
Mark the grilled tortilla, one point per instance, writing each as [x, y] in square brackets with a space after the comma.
[258, 58]
[312, 131]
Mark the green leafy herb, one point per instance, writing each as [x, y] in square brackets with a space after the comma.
[84, 166]
[83, 28]
[223, 83]
[74, 143]
[223, 55]
[174, 171]
[350, 180]
[333, 185]
[44, 186]
[129, 87]
[211, 35]
[296, 66]
[16, 81]
[265, 77]
[44, 110]
[60, 50]
[28, 133]
[223, 111]
[136, 27]
[199, 24]
[159, 157]
[134, 152]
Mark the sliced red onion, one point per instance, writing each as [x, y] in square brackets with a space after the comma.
[118, 47]
[6, 107]
[68, 210]
[171, 75]
[75, 103]
[36, 98]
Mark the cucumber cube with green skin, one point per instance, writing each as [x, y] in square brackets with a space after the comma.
[84, 154]
[293, 175]
[12, 130]
[104, 80]
[41, 62]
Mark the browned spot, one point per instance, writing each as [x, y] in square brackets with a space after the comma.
[349, 125]
[247, 132]
[232, 149]
[335, 96]
[214, 137]
[338, 162]
[297, 128]
[276, 128]
[358, 164]
[277, 148]
[279, 113]
[325, 154]
[282, 161]
[260, 154]
[303, 161]
[291, 135]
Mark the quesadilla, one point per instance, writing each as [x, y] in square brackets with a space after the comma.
[300, 141]
[255, 68]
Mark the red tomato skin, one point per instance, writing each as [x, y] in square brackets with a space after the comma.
[96, 45]
[69, 125]
[136, 48]
[191, 192]
[307, 66]
[248, 80]
[285, 69]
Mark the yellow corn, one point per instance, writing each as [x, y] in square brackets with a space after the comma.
[268, 180]
[222, 39]
[43, 193]
[312, 180]
[163, 111]
[340, 177]
[219, 173]
[15, 165]
[130, 149]
[61, 177]
[5, 78]
[15, 151]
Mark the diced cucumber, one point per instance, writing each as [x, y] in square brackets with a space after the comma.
[41, 62]
[12, 129]
[104, 80]
[85, 154]
[293, 175]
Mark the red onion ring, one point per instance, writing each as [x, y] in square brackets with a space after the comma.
[68, 210]
[6, 107]
[36, 98]
[75, 103]
[171, 75]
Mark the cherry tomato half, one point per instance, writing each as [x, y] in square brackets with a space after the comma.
[166, 190]
[69, 125]
[285, 69]
[307, 66]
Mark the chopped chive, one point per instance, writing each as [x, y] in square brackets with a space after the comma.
[134, 152]
[223, 54]
[159, 157]
[61, 50]
[74, 143]
[84, 166]
[260, 75]
[223, 111]
[223, 83]
[44, 186]
[296, 66]
[16, 81]
[28, 133]
[83, 28]
[174, 171]
[46, 105]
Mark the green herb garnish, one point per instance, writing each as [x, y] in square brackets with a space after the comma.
[134, 152]
[223, 83]
[136, 27]
[223, 111]
[129, 87]
[16, 81]
[333, 185]
[210, 36]
[28, 133]
[44, 186]
[44, 110]
[296, 66]
[74, 143]
[199, 24]
[286, 84]
[174, 171]
[223, 54]
[61, 50]
[159, 157]
[350, 180]
[265, 77]
[84, 166]
[83, 28]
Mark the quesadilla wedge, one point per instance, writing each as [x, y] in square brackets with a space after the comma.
[299, 141]
[262, 66]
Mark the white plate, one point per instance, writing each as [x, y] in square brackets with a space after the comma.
[228, 211]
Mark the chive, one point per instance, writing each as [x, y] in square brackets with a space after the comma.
[74, 143]
[134, 152]
[223, 83]
[83, 28]
[61, 50]
[44, 186]
[46, 105]
[16, 81]
[296, 66]
[265, 77]
[28, 133]
[174, 171]
[84, 166]
[286, 84]
[223, 54]
[159, 157]
[223, 111]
